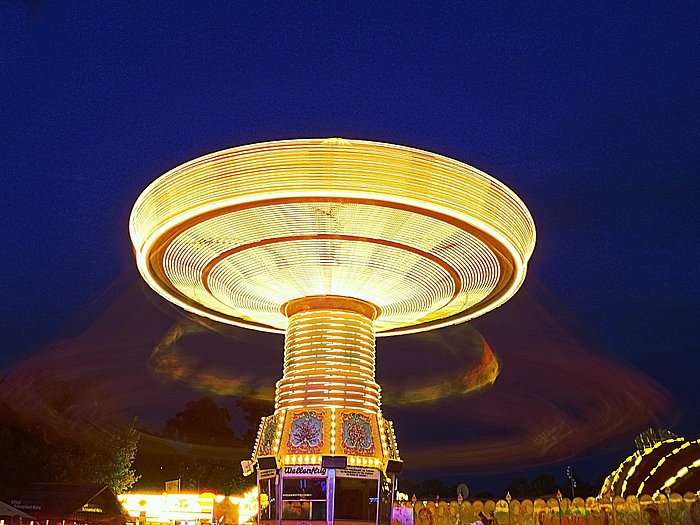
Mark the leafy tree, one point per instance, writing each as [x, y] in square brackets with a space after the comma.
[104, 458]
[214, 474]
[482, 495]
[211, 461]
[520, 488]
[542, 485]
[24, 456]
[545, 485]
[31, 453]
[427, 489]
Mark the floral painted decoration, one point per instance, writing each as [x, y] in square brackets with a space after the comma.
[306, 433]
[357, 435]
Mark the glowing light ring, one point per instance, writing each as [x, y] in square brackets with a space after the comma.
[442, 274]
[509, 245]
[318, 165]
[471, 249]
[619, 481]
[472, 260]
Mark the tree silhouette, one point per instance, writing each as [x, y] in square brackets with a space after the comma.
[103, 458]
[211, 461]
[253, 411]
[202, 422]
[31, 453]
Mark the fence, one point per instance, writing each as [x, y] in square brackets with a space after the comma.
[645, 510]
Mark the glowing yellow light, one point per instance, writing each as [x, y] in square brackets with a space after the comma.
[311, 376]
[685, 444]
[429, 240]
[165, 508]
[247, 505]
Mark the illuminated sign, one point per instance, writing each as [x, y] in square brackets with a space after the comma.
[357, 472]
[305, 470]
[91, 507]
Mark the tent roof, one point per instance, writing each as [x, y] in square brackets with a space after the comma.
[9, 510]
[62, 500]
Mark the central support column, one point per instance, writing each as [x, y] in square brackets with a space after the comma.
[327, 454]
[329, 355]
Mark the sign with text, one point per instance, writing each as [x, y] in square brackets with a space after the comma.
[267, 473]
[357, 472]
[304, 471]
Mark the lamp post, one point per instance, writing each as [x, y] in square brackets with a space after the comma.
[570, 475]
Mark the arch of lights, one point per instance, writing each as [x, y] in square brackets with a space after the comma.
[331, 242]
[663, 466]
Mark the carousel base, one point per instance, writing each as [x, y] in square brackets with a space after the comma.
[318, 495]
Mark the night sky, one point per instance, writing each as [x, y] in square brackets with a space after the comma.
[589, 112]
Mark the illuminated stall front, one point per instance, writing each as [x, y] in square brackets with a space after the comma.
[331, 242]
[189, 509]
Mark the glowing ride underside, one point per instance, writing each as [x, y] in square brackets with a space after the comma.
[331, 242]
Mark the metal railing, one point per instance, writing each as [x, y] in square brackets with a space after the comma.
[674, 509]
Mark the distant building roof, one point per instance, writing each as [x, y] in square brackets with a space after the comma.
[87, 503]
[8, 510]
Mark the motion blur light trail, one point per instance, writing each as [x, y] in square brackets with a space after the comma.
[552, 399]
[467, 364]
[169, 362]
[472, 366]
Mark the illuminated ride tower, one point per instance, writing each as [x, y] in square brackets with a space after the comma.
[330, 242]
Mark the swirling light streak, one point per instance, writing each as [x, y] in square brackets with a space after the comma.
[437, 215]
[552, 400]
[555, 399]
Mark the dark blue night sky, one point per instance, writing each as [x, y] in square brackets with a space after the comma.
[588, 111]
